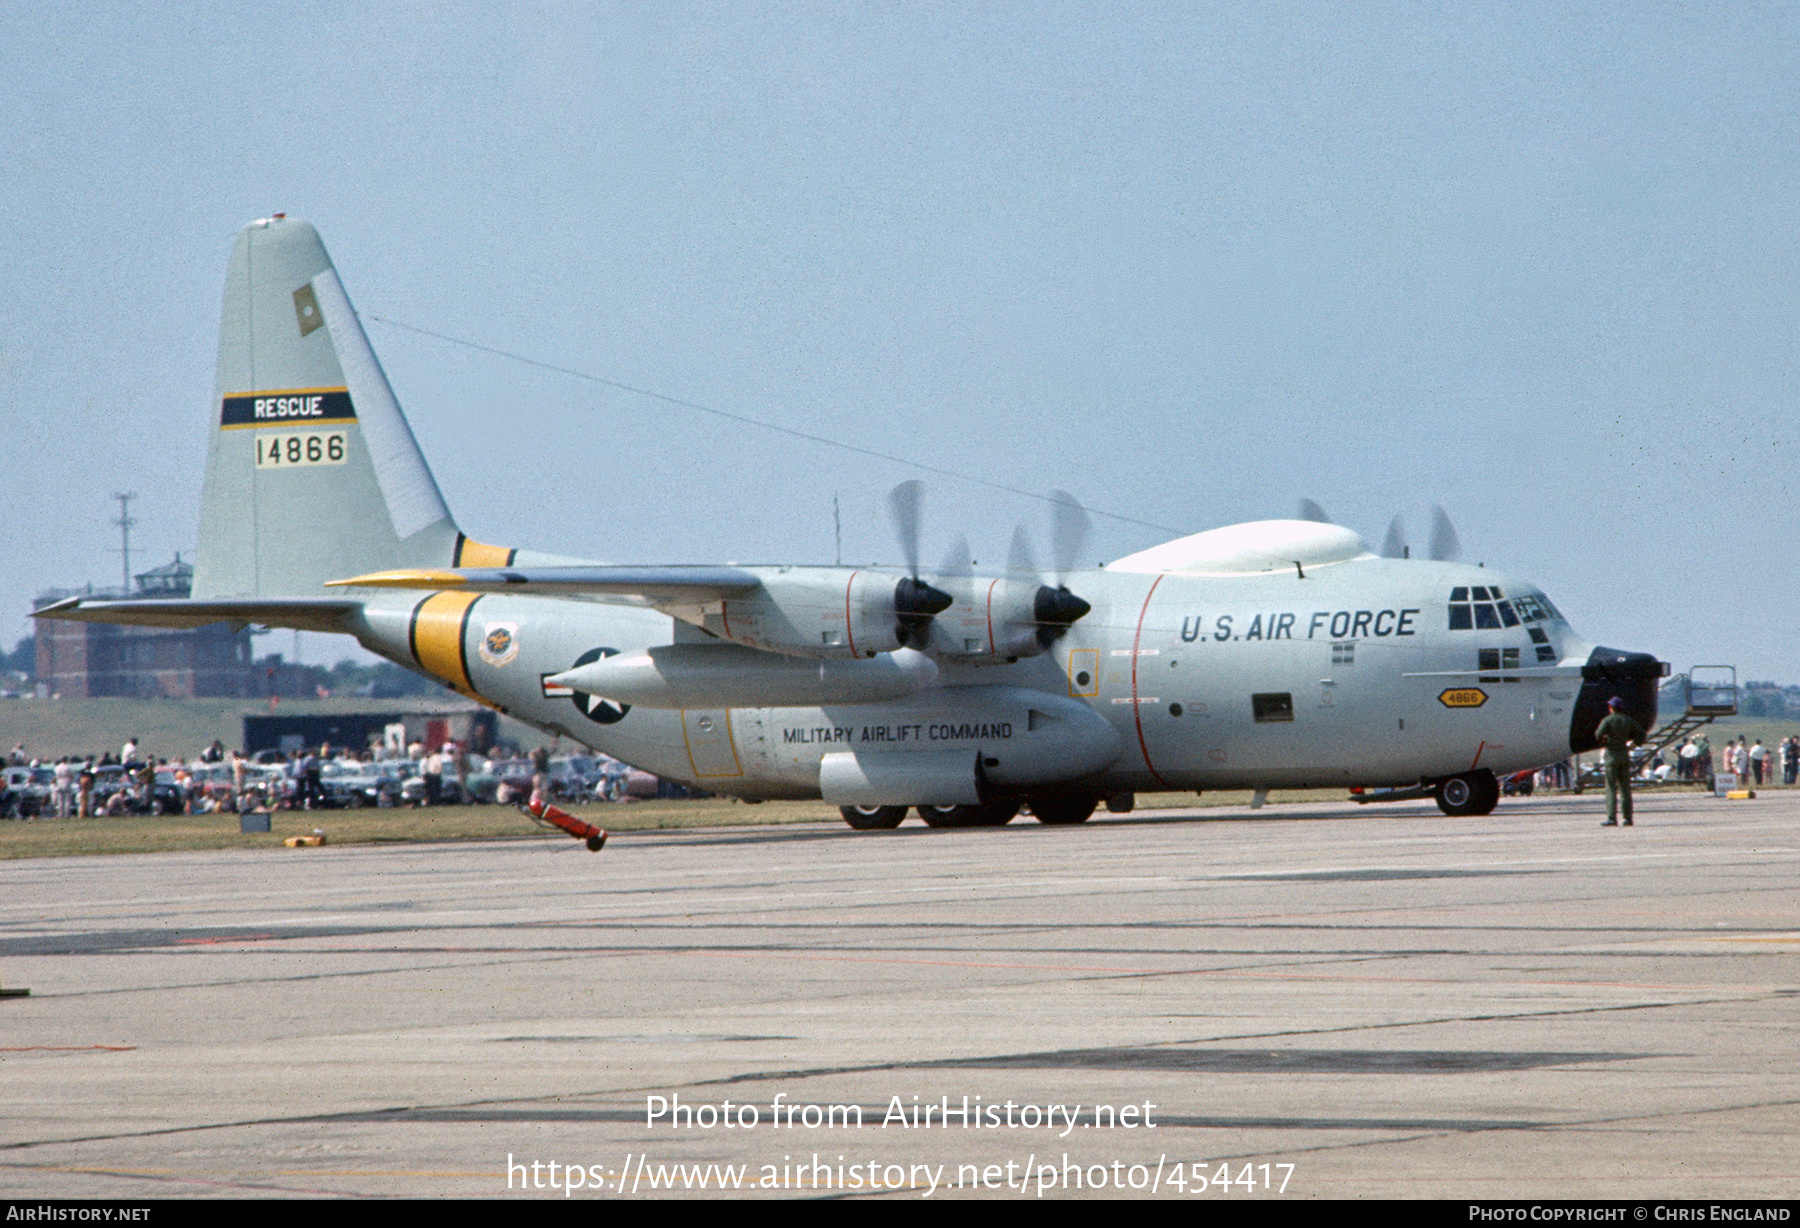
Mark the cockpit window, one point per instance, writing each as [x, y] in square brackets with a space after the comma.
[1536, 608]
[1483, 607]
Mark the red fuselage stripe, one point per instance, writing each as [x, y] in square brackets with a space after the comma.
[1137, 709]
[849, 623]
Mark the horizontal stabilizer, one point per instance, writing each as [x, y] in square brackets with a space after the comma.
[300, 613]
[654, 585]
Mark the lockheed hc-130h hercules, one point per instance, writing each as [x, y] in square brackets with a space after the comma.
[1275, 654]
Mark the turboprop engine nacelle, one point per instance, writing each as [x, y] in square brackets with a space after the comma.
[1002, 619]
[829, 613]
[731, 676]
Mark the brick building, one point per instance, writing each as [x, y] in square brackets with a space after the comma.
[82, 660]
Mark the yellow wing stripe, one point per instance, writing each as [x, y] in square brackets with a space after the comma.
[417, 577]
[439, 634]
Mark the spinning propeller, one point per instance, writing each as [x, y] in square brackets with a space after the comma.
[1054, 610]
[1047, 609]
[1445, 547]
[916, 603]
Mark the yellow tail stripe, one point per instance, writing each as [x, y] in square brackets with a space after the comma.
[439, 633]
[471, 553]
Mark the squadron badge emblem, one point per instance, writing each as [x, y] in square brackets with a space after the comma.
[500, 643]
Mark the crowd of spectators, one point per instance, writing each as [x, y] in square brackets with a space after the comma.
[327, 777]
[135, 782]
[1747, 758]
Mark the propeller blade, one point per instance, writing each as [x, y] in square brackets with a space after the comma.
[957, 563]
[903, 504]
[1069, 527]
[1019, 559]
[1395, 545]
[1444, 546]
[1053, 607]
[1312, 511]
[916, 603]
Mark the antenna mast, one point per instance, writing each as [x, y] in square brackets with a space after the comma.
[125, 522]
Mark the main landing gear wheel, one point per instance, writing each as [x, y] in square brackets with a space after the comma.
[1472, 793]
[1487, 792]
[992, 814]
[873, 818]
[1059, 811]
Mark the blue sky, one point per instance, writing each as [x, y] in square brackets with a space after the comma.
[1536, 263]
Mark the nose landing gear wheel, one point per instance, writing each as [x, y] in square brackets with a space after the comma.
[1472, 793]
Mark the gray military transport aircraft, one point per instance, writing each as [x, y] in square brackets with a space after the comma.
[1276, 654]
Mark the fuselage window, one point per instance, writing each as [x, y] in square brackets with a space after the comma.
[1497, 659]
[1273, 707]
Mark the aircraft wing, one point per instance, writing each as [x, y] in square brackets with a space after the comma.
[1535, 671]
[1619, 666]
[301, 613]
[656, 586]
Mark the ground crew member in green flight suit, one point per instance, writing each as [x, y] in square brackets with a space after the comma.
[1618, 733]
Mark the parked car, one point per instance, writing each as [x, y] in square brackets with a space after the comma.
[25, 791]
[110, 779]
[1519, 784]
[499, 780]
[573, 777]
[350, 784]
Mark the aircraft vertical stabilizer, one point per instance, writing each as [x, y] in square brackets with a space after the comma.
[312, 472]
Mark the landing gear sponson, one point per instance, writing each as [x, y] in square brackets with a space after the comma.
[1057, 810]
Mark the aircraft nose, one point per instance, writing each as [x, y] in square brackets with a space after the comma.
[1631, 676]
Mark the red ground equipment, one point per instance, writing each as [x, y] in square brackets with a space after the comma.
[595, 837]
